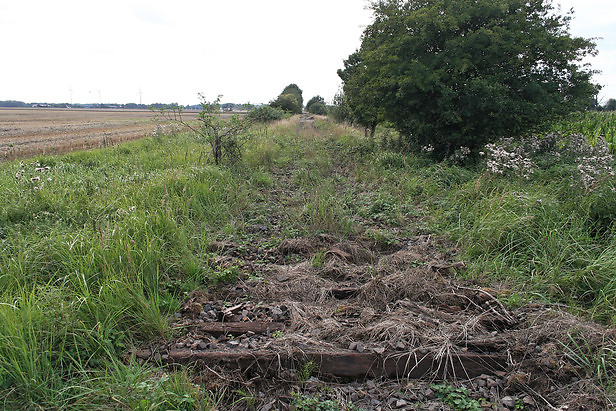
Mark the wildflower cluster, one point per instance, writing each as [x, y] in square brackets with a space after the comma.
[594, 163]
[460, 154]
[507, 157]
[33, 176]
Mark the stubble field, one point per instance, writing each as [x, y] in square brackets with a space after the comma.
[26, 132]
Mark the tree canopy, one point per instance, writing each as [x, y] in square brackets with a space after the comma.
[290, 99]
[361, 92]
[287, 102]
[451, 73]
[316, 105]
[295, 91]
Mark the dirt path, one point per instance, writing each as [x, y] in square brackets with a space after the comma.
[373, 326]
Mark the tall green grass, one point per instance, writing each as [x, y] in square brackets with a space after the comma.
[95, 253]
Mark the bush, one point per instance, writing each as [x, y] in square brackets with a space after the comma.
[316, 105]
[287, 102]
[318, 108]
[266, 114]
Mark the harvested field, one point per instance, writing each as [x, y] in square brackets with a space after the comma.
[26, 132]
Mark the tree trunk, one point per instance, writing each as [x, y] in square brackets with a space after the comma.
[217, 149]
[372, 130]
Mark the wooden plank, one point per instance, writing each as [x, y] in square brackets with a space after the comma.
[342, 363]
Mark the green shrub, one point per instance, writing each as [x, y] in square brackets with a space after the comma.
[266, 114]
[287, 102]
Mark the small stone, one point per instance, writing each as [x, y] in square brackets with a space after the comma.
[400, 346]
[202, 346]
[370, 384]
[379, 350]
[202, 314]
[360, 347]
[354, 397]
[481, 383]
[282, 278]
[401, 403]
[353, 346]
[429, 394]
[374, 401]
[179, 345]
[528, 401]
[508, 401]
[491, 383]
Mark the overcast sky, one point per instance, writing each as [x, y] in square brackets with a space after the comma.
[120, 51]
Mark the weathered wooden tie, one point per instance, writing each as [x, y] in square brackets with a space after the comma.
[342, 363]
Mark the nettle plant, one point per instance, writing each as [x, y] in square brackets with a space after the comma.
[522, 157]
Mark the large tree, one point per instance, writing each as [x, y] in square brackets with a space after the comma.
[451, 73]
[316, 105]
[361, 90]
[290, 99]
[296, 91]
